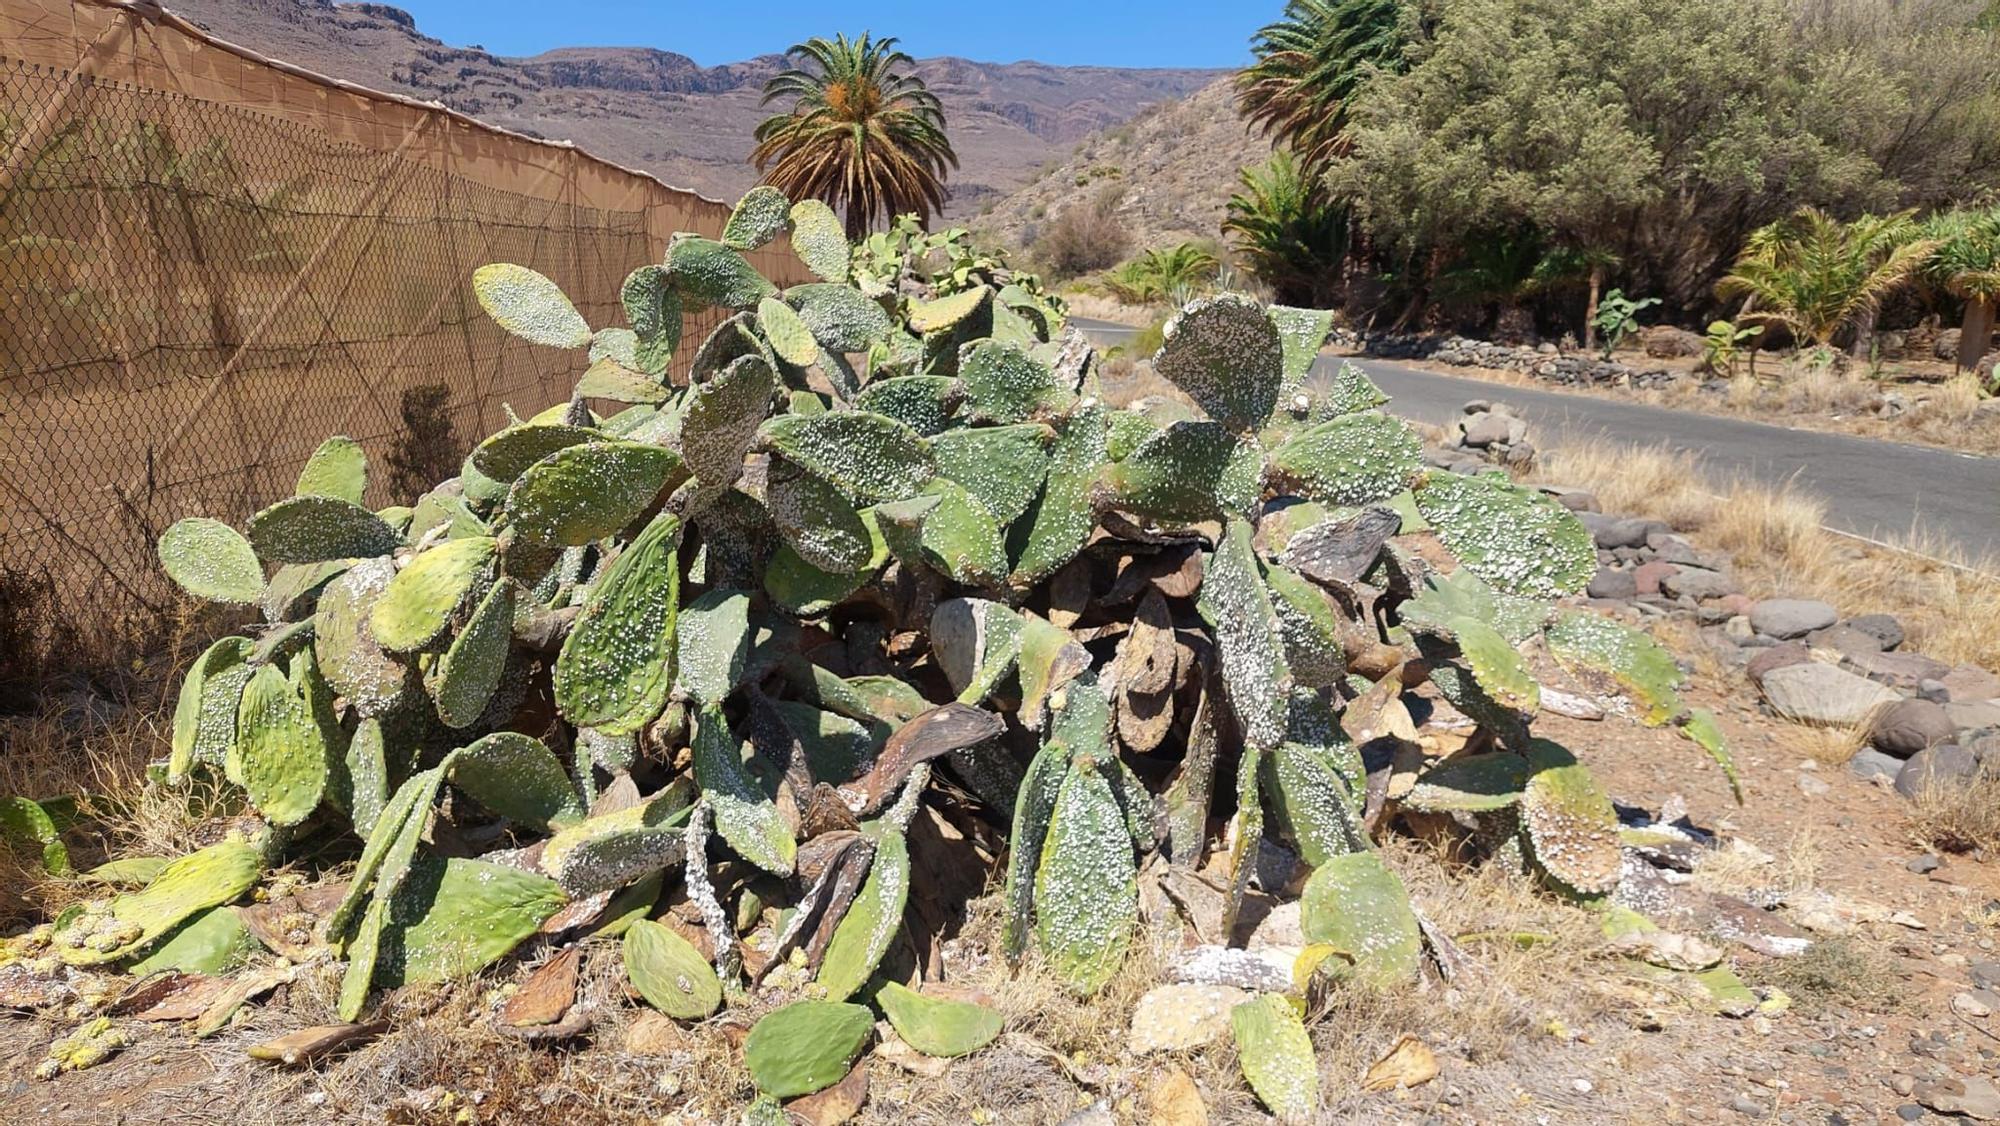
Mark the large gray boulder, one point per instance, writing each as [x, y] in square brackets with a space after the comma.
[1945, 765]
[1786, 618]
[1823, 696]
[1884, 628]
[1908, 726]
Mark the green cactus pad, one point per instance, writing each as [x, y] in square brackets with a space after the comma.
[1355, 904]
[1002, 466]
[924, 403]
[669, 972]
[730, 340]
[872, 922]
[819, 240]
[806, 1046]
[617, 664]
[1249, 638]
[420, 601]
[708, 273]
[653, 308]
[1194, 470]
[1702, 729]
[837, 748]
[937, 1026]
[866, 455]
[385, 857]
[1462, 594]
[1226, 353]
[722, 418]
[614, 849]
[205, 712]
[529, 305]
[587, 492]
[367, 776]
[1050, 658]
[619, 345]
[186, 887]
[1128, 428]
[1315, 790]
[609, 379]
[1517, 539]
[280, 754]
[1351, 391]
[745, 815]
[840, 317]
[799, 588]
[788, 334]
[28, 829]
[1005, 383]
[1470, 784]
[1643, 670]
[1301, 333]
[338, 468]
[1309, 626]
[1086, 884]
[1503, 676]
[947, 312]
[213, 942]
[314, 529]
[713, 644]
[959, 537]
[470, 670]
[1277, 1056]
[344, 641]
[1060, 521]
[1355, 459]
[518, 777]
[816, 519]
[504, 456]
[763, 214]
[212, 561]
[1568, 825]
[452, 918]
[1034, 804]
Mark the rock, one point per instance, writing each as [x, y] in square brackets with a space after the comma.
[1869, 763]
[1775, 657]
[1698, 584]
[1574, 499]
[1906, 671]
[1969, 684]
[1482, 430]
[1648, 577]
[1748, 1107]
[1670, 548]
[1814, 786]
[1924, 865]
[1908, 726]
[1175, 1018]
[1968, 1004]
[1937, 766]
[1844, 640]
[1787, 618]
[1985, 746]
[1985, 975]
[1882, 627]
[1665, 342]
[1477, 406]
[1972, 717]
[1608, 583]
[1738, 629]
[1945, 347]
[1823, 695]
[1611, 532]
[1973, 1096]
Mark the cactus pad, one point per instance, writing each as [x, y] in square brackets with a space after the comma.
[1248, 637]
[518, 777]
[613, 849]
[454, 917]
[721, 420]
[1002, 466]
[420, 601]
[28, 829]
[819, 240]
[937, 1026]
[1701, 728]
[280, 753]
[788, 334]
[1355, 459]
[797, 587]
[1351, 391]
[745, 815]
[1086, 885]
[212, 561]
[708, 273]
[866, 455]
[213, 942]
[1226, 353]
[1277, 1056]
[806, 1046]
[504, 456]
[1193, 470]
[1519, 540]
[1005, 383]
[958, 536]
[529, 305]
[1309, 627]
[924, 403]
[344, 642]
[1568, 825]
[1470, 784]
[839, 317]
[1643, 670]
[1301, 333]
[872, 922]
[470, 670]
[609, 379]
[763, 214]
[1358, 906]
[617, 665]
[338, 468]
[205, 713]
[816, 519]
[184, 888]
[669, 972]
[653, 307]
[948, 312]
[1061, 519]
[589, 491]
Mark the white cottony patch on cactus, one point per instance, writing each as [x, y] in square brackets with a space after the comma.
[1519, 540]
[866, 455]
[707, 273]
[212, 561]
[839, 317]
[1225, 352]
[529, 305]
[617, 664]
[1193, 470]
[1568, 824]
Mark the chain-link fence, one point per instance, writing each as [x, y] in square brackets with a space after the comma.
[196, 294]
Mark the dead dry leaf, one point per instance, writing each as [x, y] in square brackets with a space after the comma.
[1175, 1101]
[547, 994]
[308, 1045]
[835, 1105]
[1410, 1063]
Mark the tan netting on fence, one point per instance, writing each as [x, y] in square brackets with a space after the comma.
[211, 263]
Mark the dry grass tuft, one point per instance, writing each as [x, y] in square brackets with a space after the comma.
[1958, 816]
[1839, 972]
[1827, 746]
[1781, 546]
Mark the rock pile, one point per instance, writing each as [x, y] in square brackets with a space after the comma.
[1490, 432]
[1544, 361]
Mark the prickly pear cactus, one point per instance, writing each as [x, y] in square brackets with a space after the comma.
[805, 1046]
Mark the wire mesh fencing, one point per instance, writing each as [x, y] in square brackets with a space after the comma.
[196, 294]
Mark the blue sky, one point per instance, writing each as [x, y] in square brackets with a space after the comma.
[1103, 32]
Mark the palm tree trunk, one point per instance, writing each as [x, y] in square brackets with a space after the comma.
[1590, 310]
[1975, 330]
[1864, 334]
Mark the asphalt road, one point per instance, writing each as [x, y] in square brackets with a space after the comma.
[1880, 490]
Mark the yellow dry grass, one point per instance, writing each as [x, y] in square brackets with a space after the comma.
[1780, 544]
[1958, 816]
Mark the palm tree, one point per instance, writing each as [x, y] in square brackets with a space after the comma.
[1164, 274]
[1291, 233]
[1311, 62]
[861, 132]
[1967, 264]
[1815, 275]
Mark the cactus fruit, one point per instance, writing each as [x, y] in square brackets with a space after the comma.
[669, 972]
[212, 561]
[806, 1046]
[873, 922]
[529, 305]
[938, 1026]
[1277, 1055]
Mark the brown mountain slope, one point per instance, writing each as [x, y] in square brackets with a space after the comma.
[667, 114]
[1175, 164]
